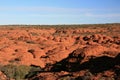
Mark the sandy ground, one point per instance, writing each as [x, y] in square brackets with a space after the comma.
[90, 52]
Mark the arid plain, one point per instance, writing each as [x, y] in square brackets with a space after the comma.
[60, 52]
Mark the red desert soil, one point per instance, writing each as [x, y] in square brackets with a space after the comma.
[73, 52]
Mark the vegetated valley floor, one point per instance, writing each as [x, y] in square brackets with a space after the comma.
[62, 52]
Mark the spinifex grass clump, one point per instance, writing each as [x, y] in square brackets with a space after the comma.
[18, 72]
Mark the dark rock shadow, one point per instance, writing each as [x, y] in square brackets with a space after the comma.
[95, 65]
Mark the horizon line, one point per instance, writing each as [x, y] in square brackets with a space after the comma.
[55, 24]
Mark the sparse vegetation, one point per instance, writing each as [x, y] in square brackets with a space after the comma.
[19, 72]
[34, 70]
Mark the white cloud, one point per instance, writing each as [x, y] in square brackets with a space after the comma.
[41, 16]
[50, 9]
[55, 15]
[38, 8]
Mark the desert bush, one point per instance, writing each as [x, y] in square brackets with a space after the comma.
[21, 72]
[15, 72]
[8, 70]
[34, 70]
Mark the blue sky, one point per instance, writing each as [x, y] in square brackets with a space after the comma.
[59, 11]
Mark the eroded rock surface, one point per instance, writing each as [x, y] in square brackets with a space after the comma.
[72, 53]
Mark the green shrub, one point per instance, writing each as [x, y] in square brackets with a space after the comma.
[15, 72]
[19, 72]
[34, 70]
[9, 70]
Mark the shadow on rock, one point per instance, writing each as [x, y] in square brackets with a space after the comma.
[96, 65]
